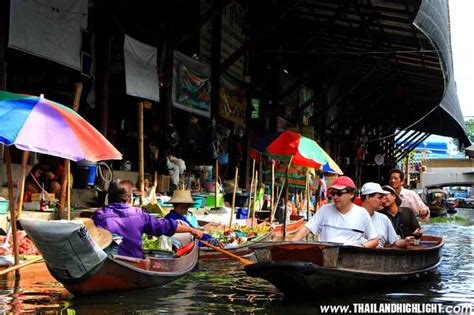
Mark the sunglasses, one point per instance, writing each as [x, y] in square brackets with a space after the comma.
[339, 193]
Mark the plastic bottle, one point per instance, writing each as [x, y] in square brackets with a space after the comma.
[42, 203]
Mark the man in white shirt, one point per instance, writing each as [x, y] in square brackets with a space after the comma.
[372, 195]
[341, 222]
[410, 199]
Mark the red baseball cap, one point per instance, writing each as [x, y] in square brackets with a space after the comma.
[343, 182]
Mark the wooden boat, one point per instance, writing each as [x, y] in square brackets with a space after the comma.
[120, 274]
[75, 260]
[324, 268]
[242, 250]
[436, 199]
[296, 222]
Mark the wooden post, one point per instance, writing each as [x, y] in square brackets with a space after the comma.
[236, 181]
[216, 182]
[308, 195]
[77, 96]
[251, 184]
[65, 191]
[285, 213]
[272, 201]
[11, 202]
[141, 154]
[21, 192]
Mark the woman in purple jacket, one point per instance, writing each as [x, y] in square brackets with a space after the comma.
[129, 222]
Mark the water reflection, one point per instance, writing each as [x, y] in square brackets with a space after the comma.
[222, 286]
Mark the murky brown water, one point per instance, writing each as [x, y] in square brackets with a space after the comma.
[222, 286]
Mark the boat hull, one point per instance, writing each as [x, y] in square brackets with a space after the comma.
[114, 275]
[301, 278]
[322, 268]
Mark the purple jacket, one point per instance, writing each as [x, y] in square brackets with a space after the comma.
[130, 223]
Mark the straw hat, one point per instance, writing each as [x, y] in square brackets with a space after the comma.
[182, 196]
[101, 237]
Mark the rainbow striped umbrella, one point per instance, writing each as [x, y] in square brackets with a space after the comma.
[302, 151]
[36, 124]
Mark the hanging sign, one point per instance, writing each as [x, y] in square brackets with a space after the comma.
[191, 85]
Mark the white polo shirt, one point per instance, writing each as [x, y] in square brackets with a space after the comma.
[351, 228]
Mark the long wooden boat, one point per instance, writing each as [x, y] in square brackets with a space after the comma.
[83, 268]
[242, 250]
[326, 268]
[121, 274]
[296, 222]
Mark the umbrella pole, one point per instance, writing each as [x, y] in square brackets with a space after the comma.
[141, 154]
[8, 161]
[68, 195]
[272, 201]
[216, 183]
[21, 193]
[285, 214]
[233, 196]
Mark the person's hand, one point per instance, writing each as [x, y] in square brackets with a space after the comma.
[215, 242]
[423, 212]
[409, 240]
[418, 231]
[197, 233]
[50, 175]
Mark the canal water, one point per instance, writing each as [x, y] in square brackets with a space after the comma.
[222, 286]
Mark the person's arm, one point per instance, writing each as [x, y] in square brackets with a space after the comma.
[421, 208]
[370, 232]
[186, 229]
[372, 243]
[414, 223]
[311, 226]
[302, 233]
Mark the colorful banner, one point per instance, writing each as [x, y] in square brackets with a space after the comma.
[191, 85]
[232, 101]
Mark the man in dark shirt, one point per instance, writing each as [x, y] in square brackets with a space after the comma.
[403, 219]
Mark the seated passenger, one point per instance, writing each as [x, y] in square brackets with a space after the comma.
[372, 197]
[48, 172]
[341, 222]
[129, 222]
[181, 202]
[403, 219]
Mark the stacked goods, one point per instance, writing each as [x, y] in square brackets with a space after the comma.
[25, 245]
[239, 235]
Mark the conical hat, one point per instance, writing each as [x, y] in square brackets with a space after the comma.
[101, 237]
[182, 196]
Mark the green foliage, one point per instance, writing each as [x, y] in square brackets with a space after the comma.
[447, 219]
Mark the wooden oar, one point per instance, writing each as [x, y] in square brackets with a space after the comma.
[241, 259]
[16, 267]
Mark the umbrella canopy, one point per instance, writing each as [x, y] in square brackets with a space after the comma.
[36, 124]
[302, 151]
